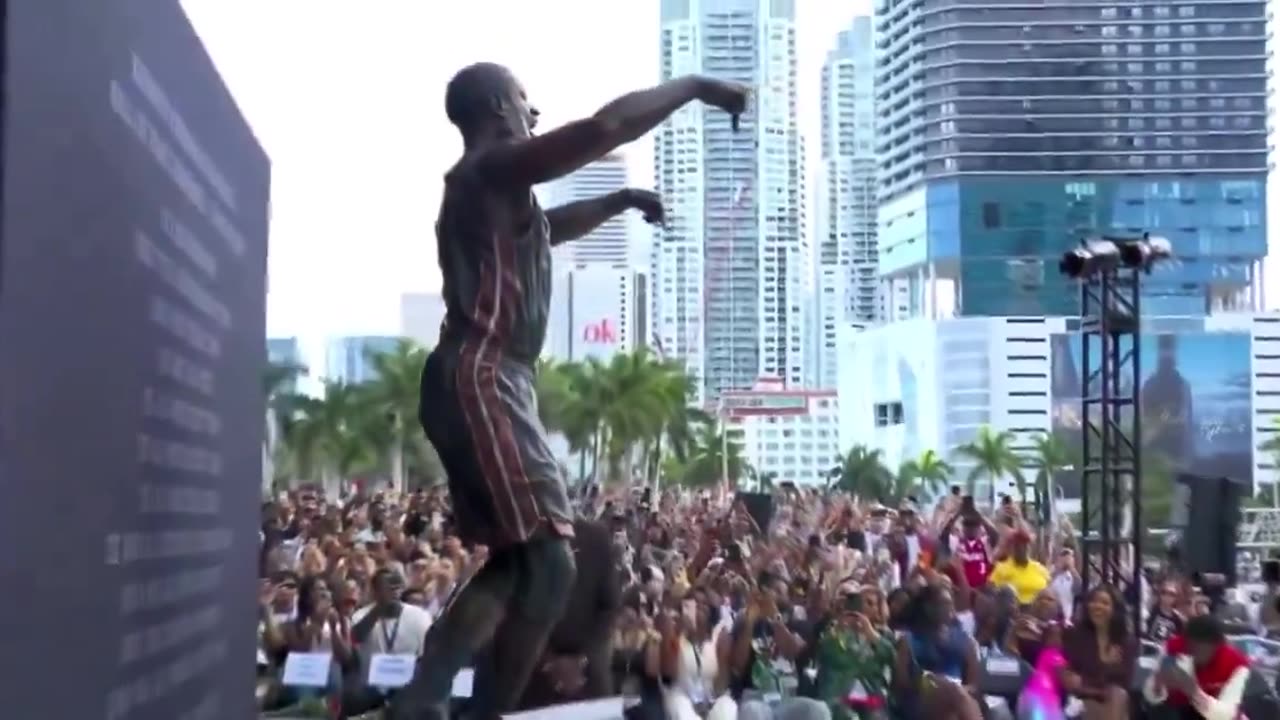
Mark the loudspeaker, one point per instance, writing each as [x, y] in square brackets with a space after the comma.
[1180, 511]
[1208, 542]
[759, 506]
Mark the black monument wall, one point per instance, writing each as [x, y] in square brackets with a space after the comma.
[132, 272]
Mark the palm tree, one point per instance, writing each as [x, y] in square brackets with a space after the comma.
[993, 458]
[903, 483]
[640, 395]
[280, 378]
[764, 480]
[279, 383]
[586, 412]
[626, 409]
[393, 396]
[676, 388]
[715, 456]
[678, 440]
[554, 393]
[562, 391]
[864, 473]
[337, 434]
[307, 434]
[631, 412]
[360, 438]
[1049, 457]
[933, 473]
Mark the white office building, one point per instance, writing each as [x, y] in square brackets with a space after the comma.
[608, 245]
[730, 270]
[846, 281]
[596, 312]
[421, 315]
[927, 384]
[792, 435]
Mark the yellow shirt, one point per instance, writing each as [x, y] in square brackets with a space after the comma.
[1027, 581]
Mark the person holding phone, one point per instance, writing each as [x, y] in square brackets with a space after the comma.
[975, 547]
[911, 547]
[271, 637]
[692, 658]
[854, 657]
[319, 626]
[761, 648]
[1200, 675]
[936, 666]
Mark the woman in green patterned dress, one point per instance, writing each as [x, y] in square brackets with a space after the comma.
[855, 658]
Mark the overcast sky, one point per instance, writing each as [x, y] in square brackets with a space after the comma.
[347, 96]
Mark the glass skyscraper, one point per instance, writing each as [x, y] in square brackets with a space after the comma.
[1008, 132]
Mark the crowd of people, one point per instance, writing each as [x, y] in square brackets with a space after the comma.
[805, 604]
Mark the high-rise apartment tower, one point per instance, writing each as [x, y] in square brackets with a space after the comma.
[607, 245]
[846, 263]
[729, 271]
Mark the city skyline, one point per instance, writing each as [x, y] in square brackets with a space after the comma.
[345, 277]
[359, 140]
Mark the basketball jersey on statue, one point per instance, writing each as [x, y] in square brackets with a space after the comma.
[495, 261]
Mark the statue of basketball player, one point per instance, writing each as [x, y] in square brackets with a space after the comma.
[477, 400]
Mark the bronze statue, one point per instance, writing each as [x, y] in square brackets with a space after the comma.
[477, 398]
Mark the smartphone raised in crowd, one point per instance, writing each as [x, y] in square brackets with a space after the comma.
[733, 553]
[1271, 572]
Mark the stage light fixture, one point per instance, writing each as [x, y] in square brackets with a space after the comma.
[1092, 257]
[1105, 254]
[1146, 252]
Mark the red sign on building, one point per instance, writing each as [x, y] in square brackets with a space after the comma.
[600, 333]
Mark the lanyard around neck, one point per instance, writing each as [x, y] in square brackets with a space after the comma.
[389, 638]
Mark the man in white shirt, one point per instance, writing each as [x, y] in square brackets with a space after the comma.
[388, 626]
